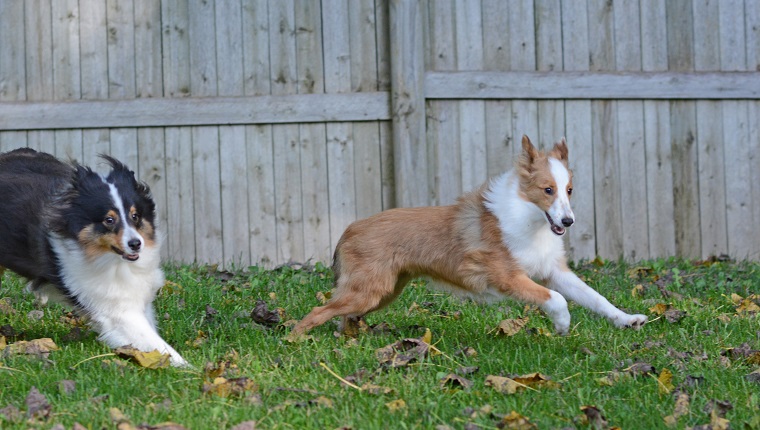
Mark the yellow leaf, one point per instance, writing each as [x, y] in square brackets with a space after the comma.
[396, 405]
[171, 287]
[149, 360]
[637, 291]
[273, 296]
[375, 389]
[516, 421]
[324, 297]
[717, 422]
[2, 342]
[502, 384]
[37, 346]
[725, 319]
[659, 308]
[535, 380]
[511, 327]
[427, 337]
[665, 381]
[737, 299]
[117, 415]
[681, 408]
[322, 401]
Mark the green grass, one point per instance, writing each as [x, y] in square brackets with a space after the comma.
[292, 385]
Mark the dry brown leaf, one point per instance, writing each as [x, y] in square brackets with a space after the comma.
[749, 305]
[375, 389]
[659, 309]
[594, 417]
[403, 352]
[262, 315]
[149, 360]
[37, 404]
[637, 291]
[117, 415]
[323, 297]
[3, 344]
[511, 327]
[224, 387]
[41, 346]
[665, 381]
[681, 408]
[396, 405]
[674, 315]
[322, 401]
[516, 421]
[536, 380]
[754, 376]
[6, 308]
[455, 381]
[725, 319]
[502, 384]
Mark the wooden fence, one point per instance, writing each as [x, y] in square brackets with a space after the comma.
[265, 127]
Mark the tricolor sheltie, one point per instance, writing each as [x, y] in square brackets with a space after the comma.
[494, 241]
[86, 240]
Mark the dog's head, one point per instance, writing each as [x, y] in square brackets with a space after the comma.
[546, 181]
[108, 214]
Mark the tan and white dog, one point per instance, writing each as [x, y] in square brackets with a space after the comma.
[493, 242]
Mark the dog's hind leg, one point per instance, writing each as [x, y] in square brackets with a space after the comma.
[355, 297]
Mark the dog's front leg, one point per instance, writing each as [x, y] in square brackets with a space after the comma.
[573, 288]
[135, 329]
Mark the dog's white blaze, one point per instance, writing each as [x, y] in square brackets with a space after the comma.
[526, 233]
[129, 232]
[560, 209]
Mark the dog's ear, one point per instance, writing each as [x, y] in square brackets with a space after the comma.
[528, 155]
[117, 166]
[560, 150]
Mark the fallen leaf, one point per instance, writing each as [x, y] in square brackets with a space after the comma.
[224, 387]
[245, 425]
[674, 315]
[262, 315]
[117, 416]
[3, 344]
[658, 309]
[502, 384]
[427, 337]
[149, 360]
[511, 327]
[467, 352]
[5, 307]
[681, 408]
[594, 417]
[515, 421]
[37, 404]
[396, 405]
[41, 347]
[535, 380]
[375, 389]
[161, 426]
[322, 401]
[640, 369]
[462, 371]
[10, 413]
[725, 319]
[403, 352]
[749, 305]
[743, 352]
[455, 381]
[637, 291]
[665, 381]
[754, 376]
[323, 297]
[67, 386]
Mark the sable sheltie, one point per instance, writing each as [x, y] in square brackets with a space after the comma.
[86, 240]
[494, 241]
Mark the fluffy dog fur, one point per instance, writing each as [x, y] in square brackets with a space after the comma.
[86, 240]
[492, 243]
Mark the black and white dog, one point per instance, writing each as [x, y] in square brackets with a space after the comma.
[86, 240]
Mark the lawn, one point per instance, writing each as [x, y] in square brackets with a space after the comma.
[696, 363]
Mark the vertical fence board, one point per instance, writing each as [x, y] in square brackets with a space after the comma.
[66, 76]
[12, 65]
[582, 235]
[382, 18]
[232, 139]
[683, 126]
[472, 118]
[712, 199]
[408, 103]
[39, 64]
[551, 114]
[180, 213]
[340, 139]
[259, 151]
[287, 157]
[609, 228]
[500, 140]
[93, 47]
[752, 26]
[205, 140]
[367, 155]
[659, 169]
[522, 50]
[445, 173]
[121, 73]
[630, 137]
[313, 137]
[733, 57]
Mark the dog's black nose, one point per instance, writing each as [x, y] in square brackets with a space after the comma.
[134, 244]
[567, 222]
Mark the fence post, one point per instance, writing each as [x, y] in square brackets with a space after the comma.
[408, 103]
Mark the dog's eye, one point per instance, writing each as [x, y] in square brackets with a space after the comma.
[135, 217]
[549, 190]
[109, 221]
[569, 191]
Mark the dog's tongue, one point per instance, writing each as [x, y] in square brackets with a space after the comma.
[131, 257]
[559, 231]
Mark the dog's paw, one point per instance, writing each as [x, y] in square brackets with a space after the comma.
[631, 321]
[556, 308]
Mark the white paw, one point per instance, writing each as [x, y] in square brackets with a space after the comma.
[631, 321]
[556, 308]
